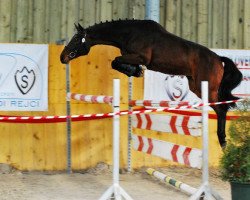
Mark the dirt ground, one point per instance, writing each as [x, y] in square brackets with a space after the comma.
[92, 183]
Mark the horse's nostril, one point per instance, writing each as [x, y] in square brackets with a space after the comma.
[72, 54]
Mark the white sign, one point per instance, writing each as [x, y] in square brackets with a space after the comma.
[160, 86]
[23, 77]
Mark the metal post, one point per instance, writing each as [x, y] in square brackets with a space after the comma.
[130, 94]
[153, 10]
[68, 110]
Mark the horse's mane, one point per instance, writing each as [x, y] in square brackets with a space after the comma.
[114, 22]
[124, 23]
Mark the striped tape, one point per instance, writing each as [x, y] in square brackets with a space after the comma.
[44, 119]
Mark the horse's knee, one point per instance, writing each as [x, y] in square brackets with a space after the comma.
[115, 64]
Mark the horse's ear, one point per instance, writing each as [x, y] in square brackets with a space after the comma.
[76, 27]
[79, 28]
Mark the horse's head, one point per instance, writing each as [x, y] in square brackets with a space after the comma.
[78, 45]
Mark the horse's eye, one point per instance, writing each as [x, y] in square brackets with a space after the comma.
[83, 40]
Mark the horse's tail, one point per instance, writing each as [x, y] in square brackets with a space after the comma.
[230, 80]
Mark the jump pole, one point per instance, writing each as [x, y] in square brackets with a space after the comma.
[169, 180]
[115, 191]
[205, 189]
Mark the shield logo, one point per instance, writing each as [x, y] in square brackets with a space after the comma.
[176, 87]
[25, 79]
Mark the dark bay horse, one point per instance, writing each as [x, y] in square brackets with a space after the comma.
[145, 42]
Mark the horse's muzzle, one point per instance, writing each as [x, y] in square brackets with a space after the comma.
[64, 59]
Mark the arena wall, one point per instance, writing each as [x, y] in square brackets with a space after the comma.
[43, 146]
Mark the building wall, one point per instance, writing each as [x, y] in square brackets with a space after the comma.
[213, 23]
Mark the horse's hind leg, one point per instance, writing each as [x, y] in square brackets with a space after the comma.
[221, 112]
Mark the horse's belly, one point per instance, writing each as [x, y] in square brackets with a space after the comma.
[171, 69]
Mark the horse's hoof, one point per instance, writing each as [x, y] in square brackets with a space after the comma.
[140, 71]
[223, 145]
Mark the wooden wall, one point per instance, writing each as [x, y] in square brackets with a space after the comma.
[213, 23]
[43, 146]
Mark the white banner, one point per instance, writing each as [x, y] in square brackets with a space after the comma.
[158, 86]
[23, 77]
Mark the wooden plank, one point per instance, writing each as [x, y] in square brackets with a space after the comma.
[186, 25]
[71, 17]
[136, 9]
[178, 17]
[194, 21]
[30, 22]
[202, 32]
[217, 29]
[39, 22]
[13, 21]
[47, 20]
[22, 21]
[5, 155]
[233, 39]
[171, 16]
[210, 23]
[163, 4]
[225, 24]
[105, 10]
[64, 15]
[241, 24]
[246, 41]
[55, 16]
[87, 13]
[120, 9]
[5, 20]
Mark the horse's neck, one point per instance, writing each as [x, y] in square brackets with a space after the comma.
[106, 35]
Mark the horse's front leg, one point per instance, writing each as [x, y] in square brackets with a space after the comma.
[129, 64]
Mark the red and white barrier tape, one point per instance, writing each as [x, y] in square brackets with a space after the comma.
[90, 98]
[51, 119]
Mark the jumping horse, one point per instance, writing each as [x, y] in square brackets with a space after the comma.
[146, 43]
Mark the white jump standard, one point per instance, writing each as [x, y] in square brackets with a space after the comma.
[115, 190]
